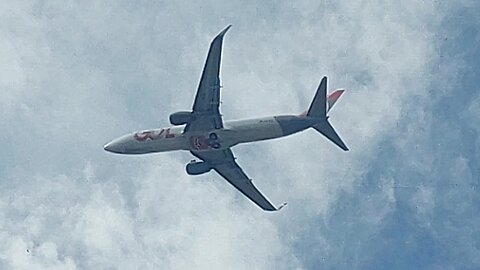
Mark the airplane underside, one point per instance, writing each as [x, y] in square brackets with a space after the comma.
[234, 132]
[203, 132]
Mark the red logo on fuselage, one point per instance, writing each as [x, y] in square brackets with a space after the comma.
[153, 135]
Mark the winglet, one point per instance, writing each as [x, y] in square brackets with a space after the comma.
[221, 34]
[281, 206]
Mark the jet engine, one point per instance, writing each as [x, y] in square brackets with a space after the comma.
[180, 118]
[196, 168]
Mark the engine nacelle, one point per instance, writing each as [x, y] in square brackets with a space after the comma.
[196, 168]
[180, 118]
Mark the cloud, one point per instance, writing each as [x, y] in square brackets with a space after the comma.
[78, 74]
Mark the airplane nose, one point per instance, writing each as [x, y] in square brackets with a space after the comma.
[114, 147]
[107, 147]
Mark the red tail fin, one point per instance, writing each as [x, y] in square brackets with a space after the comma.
[333, 97]
[331, 100]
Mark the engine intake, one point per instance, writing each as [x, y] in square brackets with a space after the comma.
[196, 168]
[180, 118]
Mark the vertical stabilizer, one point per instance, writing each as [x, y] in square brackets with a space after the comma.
[318, 108]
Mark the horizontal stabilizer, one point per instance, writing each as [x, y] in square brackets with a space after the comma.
[328, 131]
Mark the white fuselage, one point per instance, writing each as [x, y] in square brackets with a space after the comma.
[173, 138]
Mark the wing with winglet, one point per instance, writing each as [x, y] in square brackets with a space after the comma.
[206, 113]
[223, 162]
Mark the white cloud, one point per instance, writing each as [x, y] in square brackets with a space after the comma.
[77, 74]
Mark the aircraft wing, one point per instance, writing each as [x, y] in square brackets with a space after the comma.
[224, 164]
[207, 100]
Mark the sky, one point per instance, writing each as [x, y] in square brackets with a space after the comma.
[76, 74]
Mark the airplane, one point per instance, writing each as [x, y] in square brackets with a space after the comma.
[203, 132]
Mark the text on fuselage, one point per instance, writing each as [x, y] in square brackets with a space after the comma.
[153, 135]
